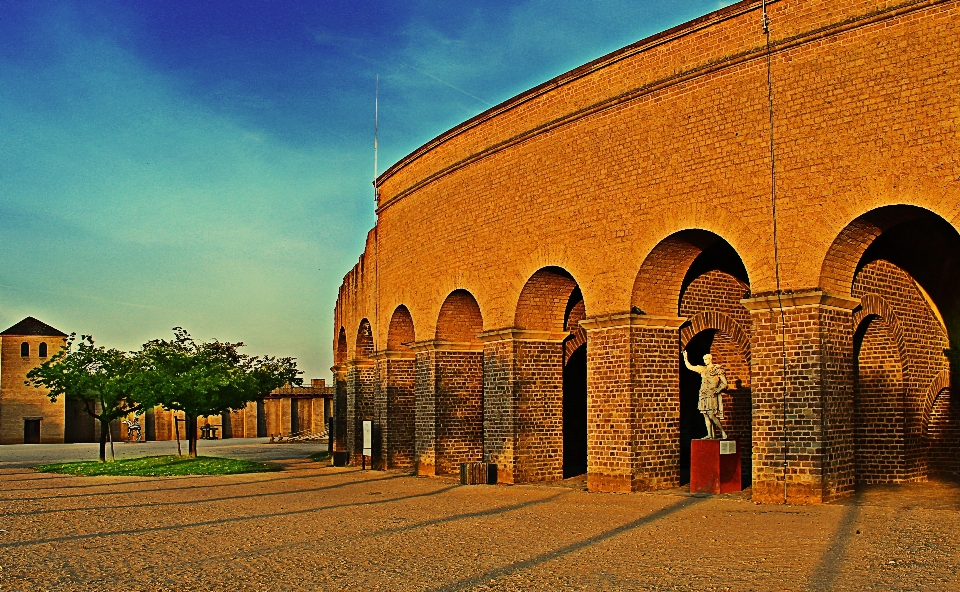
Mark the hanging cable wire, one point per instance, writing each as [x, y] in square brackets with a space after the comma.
[376, 204]
[776, 245]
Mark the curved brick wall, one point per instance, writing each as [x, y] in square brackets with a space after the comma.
[625, 173]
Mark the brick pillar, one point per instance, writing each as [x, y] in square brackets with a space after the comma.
[360, 375]
[425, 403]
[284, 405]
[805, 421]
[400, 433]
[379, 408]
[538, 391]
[523, 404]
[394, 410]
[633, 390]
[499, 414]
[449, 406]
[339, 408]
[459, 406]
[250, 420]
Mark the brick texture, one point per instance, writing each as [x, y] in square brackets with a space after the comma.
[625, 176]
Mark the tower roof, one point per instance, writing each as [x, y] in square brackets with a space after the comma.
[31, 326]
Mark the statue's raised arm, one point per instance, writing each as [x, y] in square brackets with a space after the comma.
[686, 360]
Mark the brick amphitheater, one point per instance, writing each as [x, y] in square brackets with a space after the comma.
[785, 197]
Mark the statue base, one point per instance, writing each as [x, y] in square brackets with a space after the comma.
[715, 466]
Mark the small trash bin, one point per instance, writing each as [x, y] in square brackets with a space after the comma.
[478, 473]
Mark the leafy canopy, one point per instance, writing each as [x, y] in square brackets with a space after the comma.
[207, 378]
[102, 379]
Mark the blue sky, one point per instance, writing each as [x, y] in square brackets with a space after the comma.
[209, 164]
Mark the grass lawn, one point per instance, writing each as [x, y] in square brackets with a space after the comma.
[320, 457]
[159, 466]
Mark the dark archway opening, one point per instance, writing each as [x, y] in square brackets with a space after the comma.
[31, 431]
[575, 414]
[691, 421]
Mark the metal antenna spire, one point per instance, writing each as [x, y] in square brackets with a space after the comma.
[376, 134]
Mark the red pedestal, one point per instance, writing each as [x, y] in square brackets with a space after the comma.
[711, 471]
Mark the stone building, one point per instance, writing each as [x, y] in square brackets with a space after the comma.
[26, 414]
[780, 190]
[285, 411]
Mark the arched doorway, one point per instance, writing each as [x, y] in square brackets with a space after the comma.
[550, 378]
[903, 263]
[698, 276]
[339, 397]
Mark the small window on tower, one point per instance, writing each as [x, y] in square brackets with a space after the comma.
[42, 350]
[24, 350]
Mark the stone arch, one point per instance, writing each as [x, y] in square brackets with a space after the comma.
[576, 312]
[340, 355]
[719, 321]
[340, 395]
[942, 433]
[892, 296]
[401, 331]
[666, 271]
[459, 320]
[873, 306]
[708, 287]
[543, 302]
[937, 386]
[918, 241]
[363, 350]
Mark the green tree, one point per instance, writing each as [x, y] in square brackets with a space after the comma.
[206, 378]
[102, 379]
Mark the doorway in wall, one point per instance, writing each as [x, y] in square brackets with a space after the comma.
[261, 420]
[31, 431]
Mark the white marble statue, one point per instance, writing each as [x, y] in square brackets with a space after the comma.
[712, 383]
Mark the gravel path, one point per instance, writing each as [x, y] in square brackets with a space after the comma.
[314, 527]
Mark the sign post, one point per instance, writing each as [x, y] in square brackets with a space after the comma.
[367, 442]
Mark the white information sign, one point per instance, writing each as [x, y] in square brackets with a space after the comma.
[726, 446]
[368, 438]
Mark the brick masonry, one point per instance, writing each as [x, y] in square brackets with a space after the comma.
[626, 174]
[19, 402]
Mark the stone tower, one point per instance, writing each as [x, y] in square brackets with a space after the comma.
[26, 414]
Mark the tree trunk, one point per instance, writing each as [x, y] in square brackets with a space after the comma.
[191, 426]
[104, 430]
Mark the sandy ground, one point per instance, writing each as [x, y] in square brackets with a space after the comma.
[314, 527]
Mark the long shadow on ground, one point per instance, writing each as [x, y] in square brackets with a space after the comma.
[571, 548]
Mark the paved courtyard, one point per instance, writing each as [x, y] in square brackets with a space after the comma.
[314, 527]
